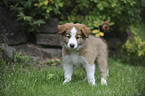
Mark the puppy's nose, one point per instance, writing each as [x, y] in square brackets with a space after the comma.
[72, 45]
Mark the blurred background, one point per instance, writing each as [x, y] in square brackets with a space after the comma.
[29, 27]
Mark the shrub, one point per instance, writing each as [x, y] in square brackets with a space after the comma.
[93, 13]
[33, 13]
[134, 45]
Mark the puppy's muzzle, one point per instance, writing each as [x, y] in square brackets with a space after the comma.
[72, 45]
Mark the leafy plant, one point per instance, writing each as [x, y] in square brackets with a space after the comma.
[93, 22]
[20, 57]
[120, 13]
[33, 13]
[134, 44]
[52, 62]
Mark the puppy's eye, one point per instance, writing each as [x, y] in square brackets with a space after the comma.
[77, 37]
[68, 36]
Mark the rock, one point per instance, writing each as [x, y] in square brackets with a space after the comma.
[7, 52]
[51, 52]
[38, 51]
[10, 30]
[48, 39]
[50, 26]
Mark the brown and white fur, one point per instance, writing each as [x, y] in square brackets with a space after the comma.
[83, 50]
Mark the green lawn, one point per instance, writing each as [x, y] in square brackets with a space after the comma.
[123, 80]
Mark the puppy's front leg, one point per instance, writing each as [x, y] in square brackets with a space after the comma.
[90, 70]
[68, 70]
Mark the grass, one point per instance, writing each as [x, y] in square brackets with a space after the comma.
[18, 80]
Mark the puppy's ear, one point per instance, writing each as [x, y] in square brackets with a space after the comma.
[85, 31]
[61, 29]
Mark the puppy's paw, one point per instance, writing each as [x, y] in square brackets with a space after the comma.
[103, 81]
[92, 82]
[66, 81]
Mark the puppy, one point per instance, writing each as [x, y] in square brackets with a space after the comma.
[83, 50]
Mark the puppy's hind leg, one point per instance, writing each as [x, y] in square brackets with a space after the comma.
[68, 70]
[102, 65]
[107, 71]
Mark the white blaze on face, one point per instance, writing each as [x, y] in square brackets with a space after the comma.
[73, 40]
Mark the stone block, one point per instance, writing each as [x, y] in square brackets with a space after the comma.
[48, 39]
[50, 26]
[38, 51]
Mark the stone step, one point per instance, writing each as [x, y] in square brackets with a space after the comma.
[38, 51]
[49, 27]
[48, 39]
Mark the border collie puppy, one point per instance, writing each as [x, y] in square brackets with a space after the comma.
[83, 50]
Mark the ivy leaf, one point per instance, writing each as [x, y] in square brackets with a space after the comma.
[40, 21]
[29, 18]
[20, 16]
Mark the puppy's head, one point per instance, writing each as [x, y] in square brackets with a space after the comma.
[74, 35]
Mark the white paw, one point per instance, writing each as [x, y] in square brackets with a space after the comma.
[66, 80]
[103, 81]
[92, 82]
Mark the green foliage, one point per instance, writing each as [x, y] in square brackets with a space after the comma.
[33, 13]
[53, 61]
[19, 57]
[93, 12]
[134, 44]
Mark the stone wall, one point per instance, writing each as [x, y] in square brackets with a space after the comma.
[48, 37]
[10, 30]
[46, 45]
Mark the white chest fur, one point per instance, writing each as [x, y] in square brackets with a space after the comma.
[75, 59]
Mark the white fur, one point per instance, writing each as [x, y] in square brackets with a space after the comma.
[103, 81]
[90, 70]
[73, 40]
[68, 68]
[78, 61]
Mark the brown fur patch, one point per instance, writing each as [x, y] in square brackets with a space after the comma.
[81, 28]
